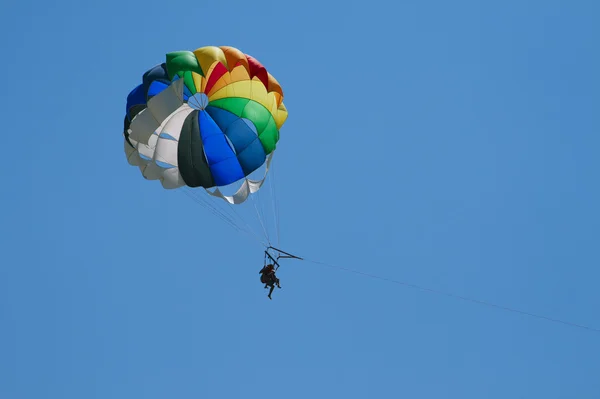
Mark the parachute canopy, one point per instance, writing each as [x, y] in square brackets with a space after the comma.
[207, 118]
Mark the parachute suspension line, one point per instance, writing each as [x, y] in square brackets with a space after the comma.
[215, 211]
[259, 195]
[221, 213]
[261, 207]
[248, 227]
[212, 208]
[260, 219]
[261, 212]
[274, 203]
[460, 297]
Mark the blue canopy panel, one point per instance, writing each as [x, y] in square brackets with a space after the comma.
[156, 87]
[243, 136]
[154, 81]
[135, 97]
[221, 158]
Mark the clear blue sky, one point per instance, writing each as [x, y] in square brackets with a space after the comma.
[453, 145]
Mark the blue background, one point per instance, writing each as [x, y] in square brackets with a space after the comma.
[452, 145]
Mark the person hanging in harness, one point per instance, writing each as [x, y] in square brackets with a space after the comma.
[268, 278]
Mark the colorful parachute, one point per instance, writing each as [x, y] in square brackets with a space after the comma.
[207, 118]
